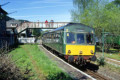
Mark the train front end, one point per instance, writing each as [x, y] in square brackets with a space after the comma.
[80, 44]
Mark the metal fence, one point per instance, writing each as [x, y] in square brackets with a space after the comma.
[108, 42]
[26, 40]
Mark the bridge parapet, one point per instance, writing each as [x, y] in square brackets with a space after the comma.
[41, 25]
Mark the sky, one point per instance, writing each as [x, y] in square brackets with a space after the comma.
[34, 10]
[40, 10]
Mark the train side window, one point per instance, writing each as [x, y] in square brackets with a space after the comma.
[50, 37]
[57, 37]
[54, 37]
[89, 38]
[62, 34]
[60, 37]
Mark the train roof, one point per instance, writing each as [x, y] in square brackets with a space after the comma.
[69, 24]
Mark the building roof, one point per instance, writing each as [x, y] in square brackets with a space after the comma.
[2, 11]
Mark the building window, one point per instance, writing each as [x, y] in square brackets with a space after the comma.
[14, 25]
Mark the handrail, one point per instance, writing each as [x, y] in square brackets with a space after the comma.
[44, 25]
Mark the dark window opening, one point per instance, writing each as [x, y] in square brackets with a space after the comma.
[80, 38]
[89, 38]
[70, 38]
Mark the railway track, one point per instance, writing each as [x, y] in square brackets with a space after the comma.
[87, 69]
[91, 69]
[96, 75]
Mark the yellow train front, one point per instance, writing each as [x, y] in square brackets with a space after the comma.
[75, 41]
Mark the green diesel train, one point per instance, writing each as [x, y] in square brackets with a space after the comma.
[75, 41]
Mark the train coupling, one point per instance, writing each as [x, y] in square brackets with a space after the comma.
[93, 58]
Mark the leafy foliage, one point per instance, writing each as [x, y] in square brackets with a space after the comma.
[101, 61]
[117, 2]
[98, 14]
[8, 70]
[37, 32]
[58, 76]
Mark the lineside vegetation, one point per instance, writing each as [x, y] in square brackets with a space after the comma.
[39, 65]
[98, 14]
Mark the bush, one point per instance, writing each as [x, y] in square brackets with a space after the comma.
[101, 61]
[8, 71]
[58, 76]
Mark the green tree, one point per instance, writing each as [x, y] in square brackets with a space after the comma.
[37, 32]
[97, 13]
[111, 15]
[81, 6]
[117, 2]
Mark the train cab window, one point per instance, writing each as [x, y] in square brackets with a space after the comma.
[89, 38]
[80, 39]
[71, 38]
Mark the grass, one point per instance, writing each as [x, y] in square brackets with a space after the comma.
[111, 68]
[40, 66]
[110, 55]
[107, 66]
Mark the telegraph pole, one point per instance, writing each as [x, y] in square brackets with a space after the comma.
[103, 42]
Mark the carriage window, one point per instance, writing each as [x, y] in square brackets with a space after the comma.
[57, 37]
[89, 38]
[70, 38]
[80, 38]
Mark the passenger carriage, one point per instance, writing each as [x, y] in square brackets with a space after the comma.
[75, 41]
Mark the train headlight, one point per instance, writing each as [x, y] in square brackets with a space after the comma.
[80, 52]
[69, 51]
[91, 52]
